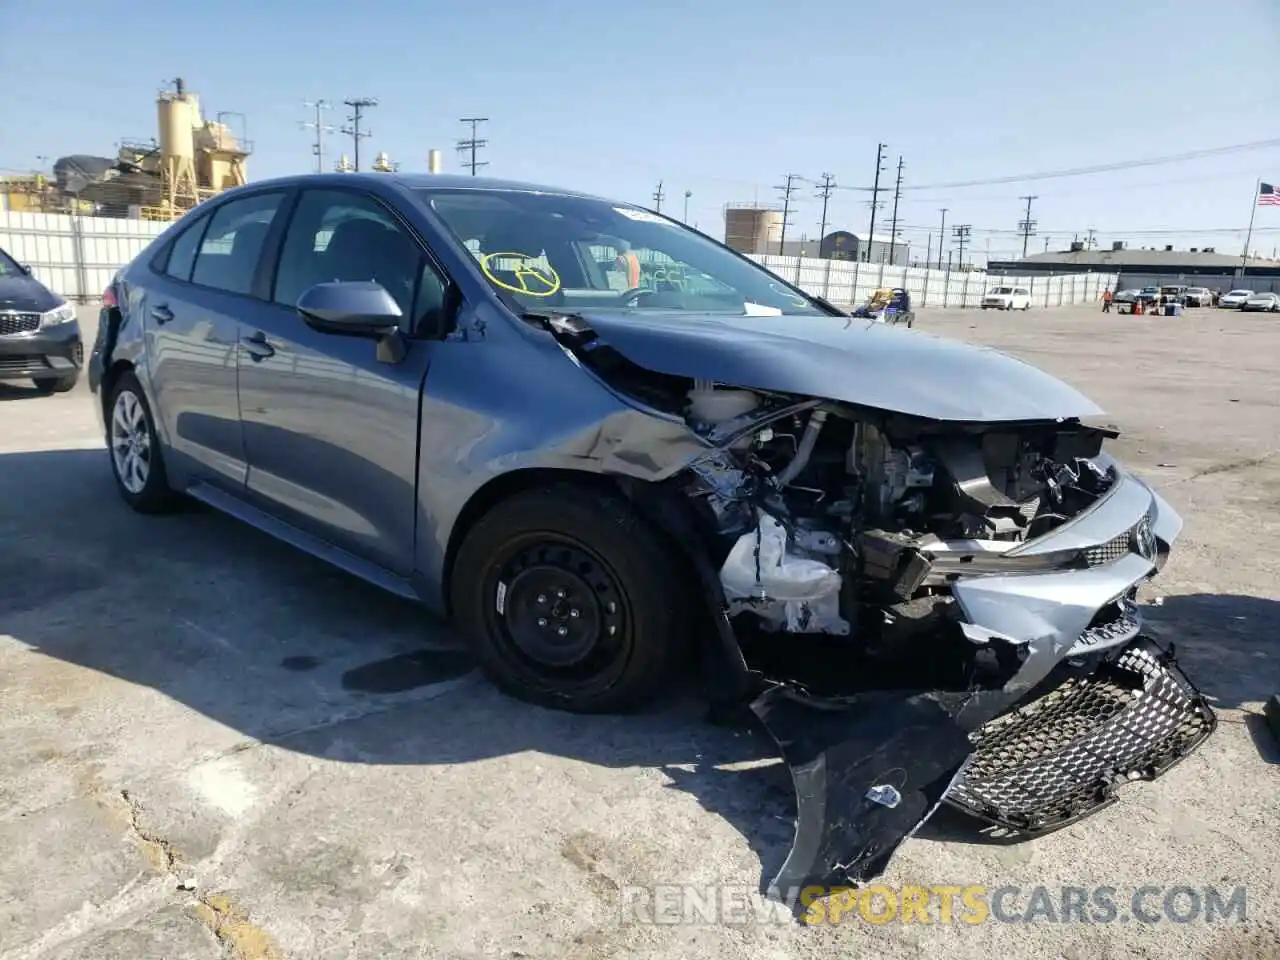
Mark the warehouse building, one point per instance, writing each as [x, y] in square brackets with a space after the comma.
[1199, 266]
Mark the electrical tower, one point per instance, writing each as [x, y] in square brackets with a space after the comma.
[657, 197]
[358, 106]
[786, 189]
[320, 127]
[824, 194]
[893, 230]
[961, 233]
[1026, 226]
[471, 145]
[875, 197]
[942, 235]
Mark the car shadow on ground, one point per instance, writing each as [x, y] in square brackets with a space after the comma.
[287, 651]
[20, 390]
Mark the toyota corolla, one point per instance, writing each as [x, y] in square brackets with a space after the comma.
[608, 447]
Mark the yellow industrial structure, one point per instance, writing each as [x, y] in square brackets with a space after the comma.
[161, 179]
[197, 158]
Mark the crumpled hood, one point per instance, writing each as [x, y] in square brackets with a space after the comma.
[837, 358]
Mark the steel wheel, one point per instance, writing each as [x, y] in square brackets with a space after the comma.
[130, 442]
[558, 610]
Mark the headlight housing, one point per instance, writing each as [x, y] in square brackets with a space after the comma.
[63, 313]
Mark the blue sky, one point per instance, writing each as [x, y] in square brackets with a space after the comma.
[722, 99]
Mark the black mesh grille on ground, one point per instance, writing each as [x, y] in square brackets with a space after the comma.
[11, 323]
[1060, 757]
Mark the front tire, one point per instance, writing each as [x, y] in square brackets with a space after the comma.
[571, 600]
[57, 384]
[136, 459]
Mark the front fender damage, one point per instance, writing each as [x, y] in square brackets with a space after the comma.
[918, 612]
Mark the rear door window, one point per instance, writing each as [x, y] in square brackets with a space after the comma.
[232, 246]
[182, 253]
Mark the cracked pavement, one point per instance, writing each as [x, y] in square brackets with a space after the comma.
[212, 746]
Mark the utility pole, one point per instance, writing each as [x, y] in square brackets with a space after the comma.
[1026, 226]
[471, 145]
[824, 193]
[942, 236]
[786, 189]
[320, 127]
[893, 230]
[658, 197]
[358, 106]
[687, 195]
[1092, 240]
[875, 196]
[1046, 244]
[961, 233]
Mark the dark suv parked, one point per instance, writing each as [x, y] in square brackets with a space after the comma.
[39, 335]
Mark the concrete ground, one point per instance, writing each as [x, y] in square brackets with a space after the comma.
[212, 746]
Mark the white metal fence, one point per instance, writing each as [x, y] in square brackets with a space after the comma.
[76, 257]
[850, 282]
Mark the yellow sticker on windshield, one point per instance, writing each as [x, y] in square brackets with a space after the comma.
[527, 277]
[789, 295]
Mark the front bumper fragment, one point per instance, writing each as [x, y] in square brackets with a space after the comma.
[871, 768]
[1061, 756]
[52, 352]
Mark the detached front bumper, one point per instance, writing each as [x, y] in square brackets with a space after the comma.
[1088, 703]
[48, 353]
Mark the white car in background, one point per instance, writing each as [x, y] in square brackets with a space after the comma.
[1235, 299]
[1007, 298]
[1269, 302]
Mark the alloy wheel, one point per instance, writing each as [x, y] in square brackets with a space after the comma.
[130, 442]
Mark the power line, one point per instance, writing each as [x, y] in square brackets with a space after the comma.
[893, 230]
[786, 189]
[658, 197]
[358, 105]
[961, 233]
[1026, 225]
[875, 196]
[319, 127]
[942, 235]
[472, 144]
[824, 193]
[1097, 168]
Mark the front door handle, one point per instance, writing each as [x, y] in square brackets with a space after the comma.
[161, 313]
[258, 347]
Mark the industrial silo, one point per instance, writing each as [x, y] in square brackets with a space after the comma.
[753, 227]
[179, 116]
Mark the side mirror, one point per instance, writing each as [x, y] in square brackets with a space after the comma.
[360, 308]
[26, 268]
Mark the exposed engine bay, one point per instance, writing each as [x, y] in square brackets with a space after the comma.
[932, 610]
[850, 523]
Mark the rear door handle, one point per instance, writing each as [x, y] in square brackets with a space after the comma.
[161, 313]
[257, 346]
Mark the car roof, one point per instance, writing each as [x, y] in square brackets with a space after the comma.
[421, 181]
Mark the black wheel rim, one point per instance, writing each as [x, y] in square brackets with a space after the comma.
[558, 613]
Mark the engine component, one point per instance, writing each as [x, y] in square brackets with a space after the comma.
[709, 406]
[801, 460]
[787, 591]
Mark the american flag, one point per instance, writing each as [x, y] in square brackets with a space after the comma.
[1268, 195]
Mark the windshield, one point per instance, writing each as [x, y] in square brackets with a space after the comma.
[550, 251]
[1240, 293]
[1002, 290]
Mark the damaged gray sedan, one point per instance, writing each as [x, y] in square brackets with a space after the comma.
[608, 446]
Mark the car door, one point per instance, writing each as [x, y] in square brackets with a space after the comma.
[330, 429]
[192, 309]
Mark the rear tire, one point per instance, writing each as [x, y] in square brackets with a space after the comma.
[137, 462]
[57, 384]
[571, 600]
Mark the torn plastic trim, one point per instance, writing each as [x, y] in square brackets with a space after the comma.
[846, 757]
